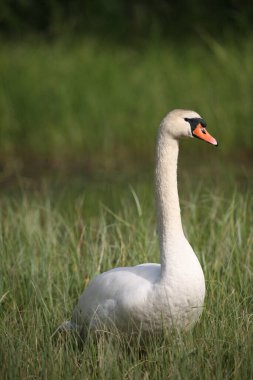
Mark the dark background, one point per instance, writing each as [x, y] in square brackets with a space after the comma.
[126, 20]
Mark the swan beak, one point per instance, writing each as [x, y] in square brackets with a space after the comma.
[201, 133]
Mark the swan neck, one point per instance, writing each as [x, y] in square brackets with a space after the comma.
[168, 208]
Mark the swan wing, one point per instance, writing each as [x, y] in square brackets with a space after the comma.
[116, 296]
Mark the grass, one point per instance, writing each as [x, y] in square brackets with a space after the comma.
[62, 102]
[94, 108]
[53, 243]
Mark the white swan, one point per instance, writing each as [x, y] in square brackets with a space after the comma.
[151, 296]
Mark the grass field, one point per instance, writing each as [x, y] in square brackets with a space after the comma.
[83, 104]
[88, 113]
[52, 243]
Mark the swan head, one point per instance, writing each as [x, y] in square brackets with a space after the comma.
[182, 123]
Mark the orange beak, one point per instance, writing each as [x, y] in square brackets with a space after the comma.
[201, 133]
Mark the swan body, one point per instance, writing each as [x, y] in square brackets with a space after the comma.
[152, 296]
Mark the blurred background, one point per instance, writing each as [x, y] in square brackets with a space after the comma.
[83, 88]
[84, 85]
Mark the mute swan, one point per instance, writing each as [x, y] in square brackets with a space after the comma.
[151, 296]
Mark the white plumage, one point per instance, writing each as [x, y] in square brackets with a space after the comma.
[153, 296]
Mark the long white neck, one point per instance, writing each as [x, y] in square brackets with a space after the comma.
[168, 209]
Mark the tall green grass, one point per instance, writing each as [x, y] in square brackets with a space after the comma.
[51, 246]
[98, 106]
[94, 104]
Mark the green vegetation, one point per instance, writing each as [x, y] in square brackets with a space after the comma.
[122, 20]
[52, 244]
[87, 113]
[93, 105]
